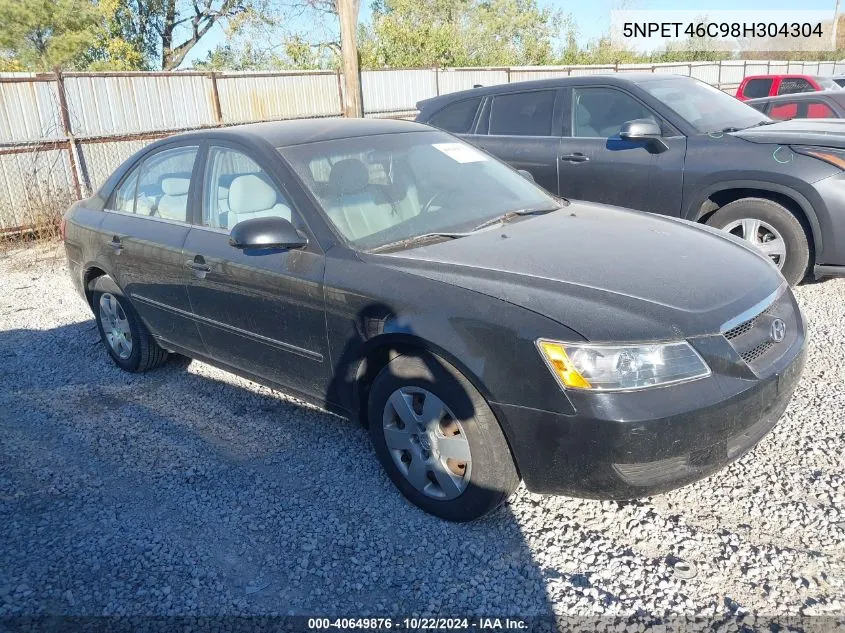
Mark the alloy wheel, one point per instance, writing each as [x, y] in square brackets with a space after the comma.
[115, 325]
[427, 443]
[763, 236]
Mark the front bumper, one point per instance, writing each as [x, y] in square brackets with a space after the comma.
[588, 456]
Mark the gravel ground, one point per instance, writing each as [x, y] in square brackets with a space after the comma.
[190, 491]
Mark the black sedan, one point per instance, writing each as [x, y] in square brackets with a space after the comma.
[828, 104]
[670, 145]
[483, 330]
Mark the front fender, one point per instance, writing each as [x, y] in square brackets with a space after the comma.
[693, 209]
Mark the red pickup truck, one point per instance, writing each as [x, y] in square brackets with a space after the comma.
[756, 86]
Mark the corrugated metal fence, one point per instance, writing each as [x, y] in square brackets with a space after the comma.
[62, 134]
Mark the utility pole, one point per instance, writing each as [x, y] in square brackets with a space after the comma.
[347, 11]
[835, 23]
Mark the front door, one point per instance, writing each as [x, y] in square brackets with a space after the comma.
[259, 311]
[596, 165]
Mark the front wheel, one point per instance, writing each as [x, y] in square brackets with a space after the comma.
[438, 439]
[771, 229]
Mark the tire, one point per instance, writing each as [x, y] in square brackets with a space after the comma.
[776, 221]
[142, 352]
[486, 479]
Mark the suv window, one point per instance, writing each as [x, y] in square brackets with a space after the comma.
[159, 186]
[237, 189]
[794, 84]
[456, 117]
[600, 112]
[819, 110]
[523, 113]
[783, 111]
[757, 88]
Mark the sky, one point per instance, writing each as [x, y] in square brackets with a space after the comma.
[591, 16]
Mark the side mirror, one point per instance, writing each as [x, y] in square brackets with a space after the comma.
[645, 131]
[266, 233]
[526, 174]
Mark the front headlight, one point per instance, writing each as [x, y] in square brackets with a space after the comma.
[621, 367]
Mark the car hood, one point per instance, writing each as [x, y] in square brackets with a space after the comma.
[605, 272]
[822, 132]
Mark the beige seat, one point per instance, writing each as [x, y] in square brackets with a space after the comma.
[355, 206]
[251, 196]
[174, 203]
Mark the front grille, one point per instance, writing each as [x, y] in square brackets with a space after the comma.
[752, 339]
[753, 354]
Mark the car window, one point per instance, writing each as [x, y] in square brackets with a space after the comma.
[839, 81]
[123, 198]
[601, 112]
[163, 183]
[523, 113]
[819, 110]
[792, 85]
[456, 117]
[237, 189]
[783, 111]
[757, 88]
[703, 106]
[379, 189]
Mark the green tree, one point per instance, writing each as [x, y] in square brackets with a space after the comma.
[42, 34]
[414, 33]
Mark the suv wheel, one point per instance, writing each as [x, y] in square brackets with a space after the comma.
[127, 340]
[772, 229]
[438, 439]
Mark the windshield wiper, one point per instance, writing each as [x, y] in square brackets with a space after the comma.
[733, 128]
[510, 215]
[411, 241]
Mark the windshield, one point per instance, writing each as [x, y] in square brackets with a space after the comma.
[706, 108]
[382, 189]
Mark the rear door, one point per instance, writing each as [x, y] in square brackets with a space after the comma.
[523, 129]
[145, 225]
[596, 165]
[259, 311]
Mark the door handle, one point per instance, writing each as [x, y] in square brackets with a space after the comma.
[577, 157]
[198, 266]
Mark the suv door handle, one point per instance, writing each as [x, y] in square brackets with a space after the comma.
[577, 157]
[198, 265]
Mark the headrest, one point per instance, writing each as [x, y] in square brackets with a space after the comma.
[348, 176]
[250, 193]
[175, 186]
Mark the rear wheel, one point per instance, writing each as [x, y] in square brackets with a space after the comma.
[772, 229]
[127, 340]
[438, 439]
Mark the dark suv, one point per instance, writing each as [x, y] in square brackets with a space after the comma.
[670, 145]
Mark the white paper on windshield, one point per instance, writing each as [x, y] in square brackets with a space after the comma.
[460, 152]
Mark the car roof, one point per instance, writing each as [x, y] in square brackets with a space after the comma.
[619, 79]
[783, 76]
[299, 131]
[839, 95]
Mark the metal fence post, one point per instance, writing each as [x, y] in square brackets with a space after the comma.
[72, 145]
[436, 81]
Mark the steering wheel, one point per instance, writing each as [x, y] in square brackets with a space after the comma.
[427, 206]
